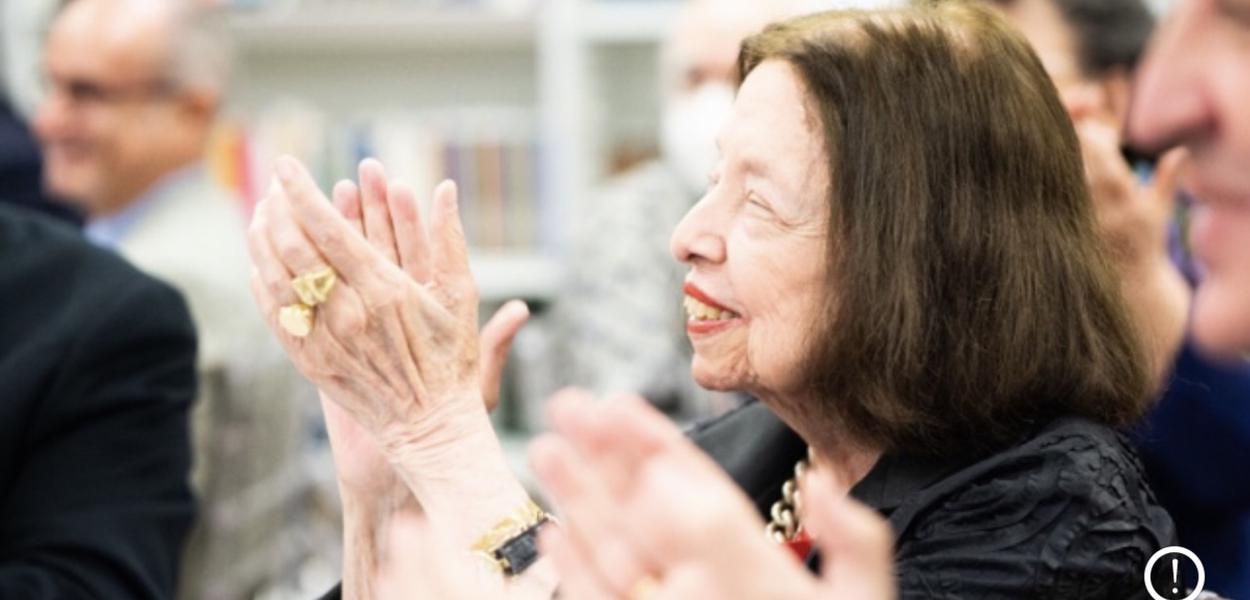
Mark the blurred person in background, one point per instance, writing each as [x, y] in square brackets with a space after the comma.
[620, 320]
[132, 91]
[1191, 91]
[1091, 49]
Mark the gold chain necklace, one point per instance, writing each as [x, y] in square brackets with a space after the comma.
[784, 524]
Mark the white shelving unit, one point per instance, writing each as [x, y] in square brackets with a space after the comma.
[503, 276]
[586, 70]
[374, 28]
[636, 22]
[388, 56]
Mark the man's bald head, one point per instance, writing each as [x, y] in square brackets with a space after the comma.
[188, 36]
[134, 86]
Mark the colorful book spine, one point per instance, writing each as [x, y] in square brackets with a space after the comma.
[490, 155]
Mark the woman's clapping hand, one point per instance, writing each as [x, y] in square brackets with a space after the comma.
[398, 353]
[394, 349]
[394, 228]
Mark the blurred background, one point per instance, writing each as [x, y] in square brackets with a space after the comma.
[524, 104]
[558, 120]
[529, 105]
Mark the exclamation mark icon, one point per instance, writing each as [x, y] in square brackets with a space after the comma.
[1156, 581]
[1175, 581]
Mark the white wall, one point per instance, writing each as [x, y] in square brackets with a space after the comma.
[21, 34]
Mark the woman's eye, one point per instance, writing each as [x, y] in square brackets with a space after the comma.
[758, 202]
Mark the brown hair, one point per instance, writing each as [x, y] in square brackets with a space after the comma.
[970, 299]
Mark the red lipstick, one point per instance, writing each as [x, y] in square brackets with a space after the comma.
[701, 296]
[696, 327]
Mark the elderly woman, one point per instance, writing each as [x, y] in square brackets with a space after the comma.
[897, 255]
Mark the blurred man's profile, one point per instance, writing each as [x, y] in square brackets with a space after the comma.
[132, 90]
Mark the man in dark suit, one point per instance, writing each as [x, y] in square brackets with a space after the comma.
[98, 369]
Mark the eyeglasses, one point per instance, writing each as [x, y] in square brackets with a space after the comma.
[85, 93]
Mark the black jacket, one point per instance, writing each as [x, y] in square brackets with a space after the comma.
[97, 364]
[1067, 514]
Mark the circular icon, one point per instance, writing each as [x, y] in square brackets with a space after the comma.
[1150, 566]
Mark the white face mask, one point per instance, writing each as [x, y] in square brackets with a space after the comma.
[691, 123]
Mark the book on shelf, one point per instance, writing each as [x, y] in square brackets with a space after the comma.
[493, 155]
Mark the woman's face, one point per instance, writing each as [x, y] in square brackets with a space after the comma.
[756, 243]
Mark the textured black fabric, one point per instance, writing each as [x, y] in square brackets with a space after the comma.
[98, 369]
[1065, 515]
[755, 448]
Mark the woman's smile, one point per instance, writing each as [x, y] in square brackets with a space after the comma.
[705, 315]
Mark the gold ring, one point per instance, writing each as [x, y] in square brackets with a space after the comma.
[296, 319]
[644, 588]
[314, 288]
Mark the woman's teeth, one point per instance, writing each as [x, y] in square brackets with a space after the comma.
[699, 311]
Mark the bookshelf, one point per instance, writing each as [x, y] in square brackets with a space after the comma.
[562, 79]
[558, 83]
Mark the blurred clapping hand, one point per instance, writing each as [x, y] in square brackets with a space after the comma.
[647, 514]
[1134, 216]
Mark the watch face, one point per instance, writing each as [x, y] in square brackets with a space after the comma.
[1174, 573]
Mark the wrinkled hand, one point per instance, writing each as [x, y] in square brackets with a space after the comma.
[397, 353]
[387, 215]
[399, 356]
[637, 500]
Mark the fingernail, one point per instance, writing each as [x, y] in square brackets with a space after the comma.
[286, 169]
[519, 307]
[453, 194]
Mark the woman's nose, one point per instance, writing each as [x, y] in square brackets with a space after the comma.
[699, 237]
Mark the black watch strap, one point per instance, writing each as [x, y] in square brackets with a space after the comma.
[517, 554]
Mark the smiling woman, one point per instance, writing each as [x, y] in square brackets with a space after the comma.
[766, 209]
[897, 256]
[968, 298]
